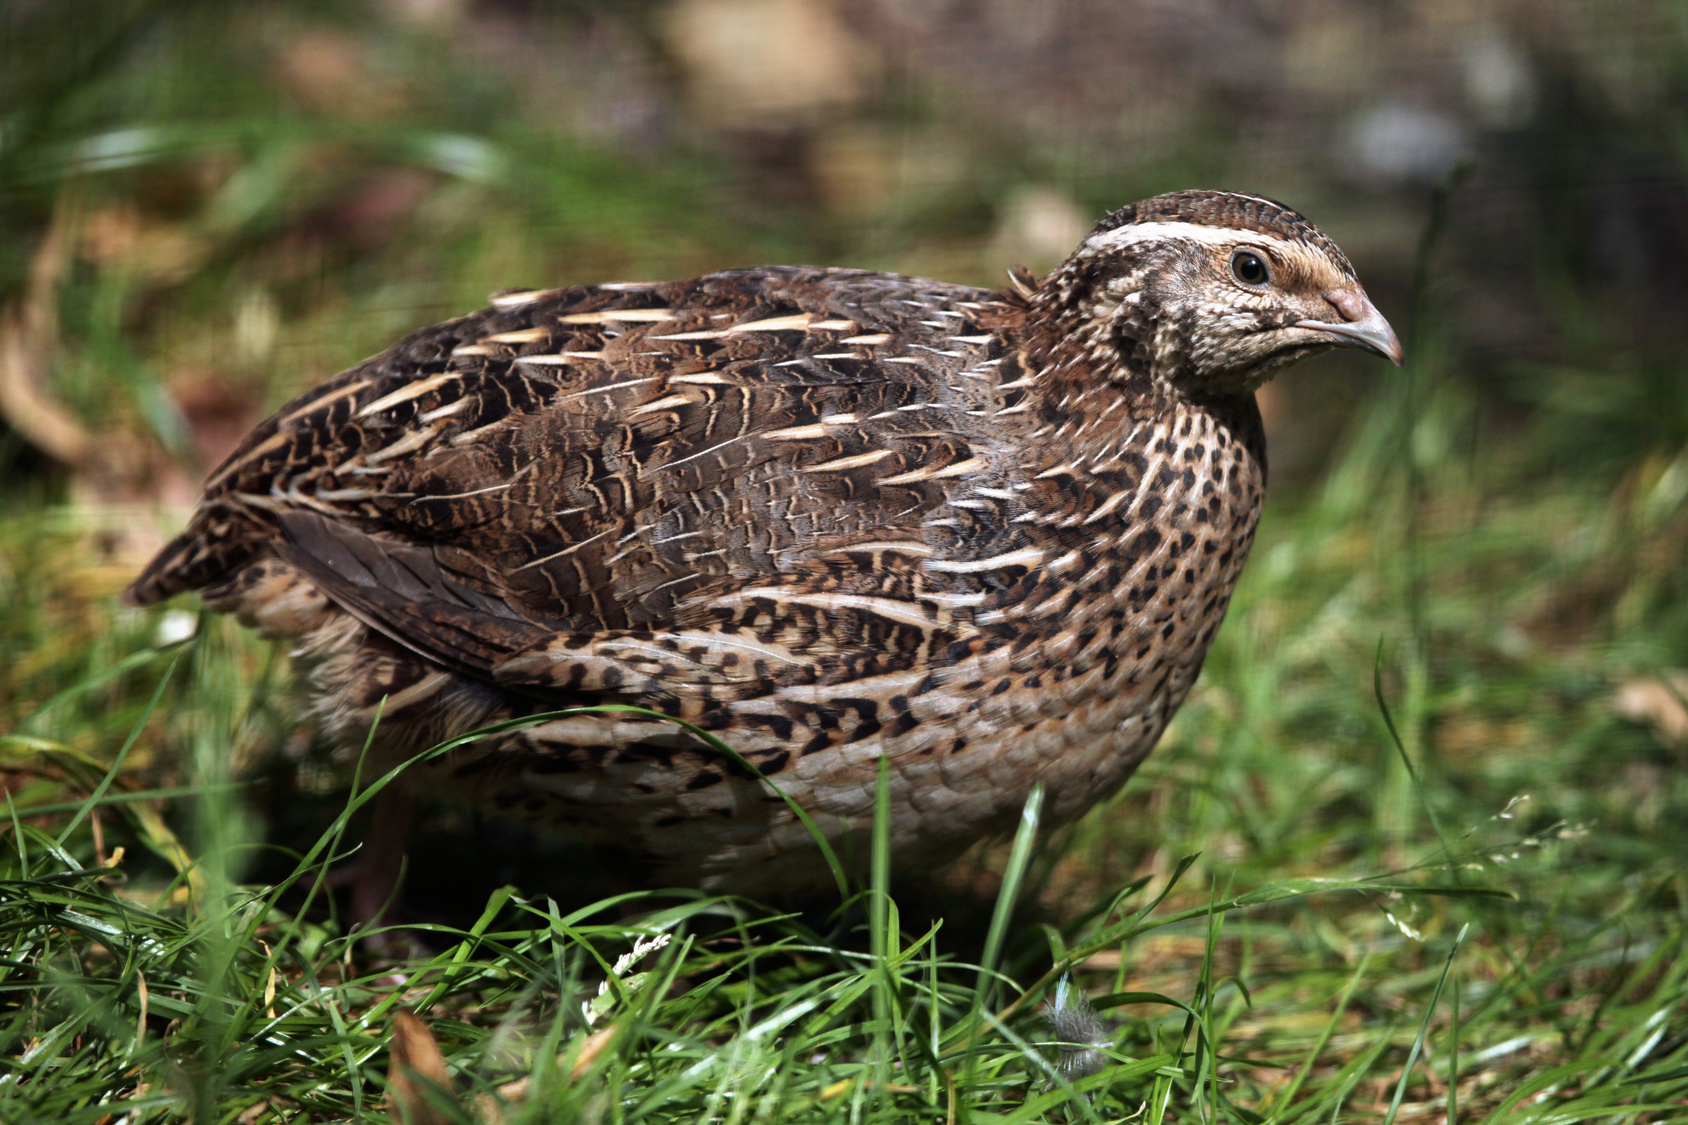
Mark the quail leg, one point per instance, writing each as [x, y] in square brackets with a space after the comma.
[373, 879]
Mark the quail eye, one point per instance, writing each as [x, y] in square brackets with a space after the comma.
[1249, 268]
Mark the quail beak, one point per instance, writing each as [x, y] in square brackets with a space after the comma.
[1361, 326]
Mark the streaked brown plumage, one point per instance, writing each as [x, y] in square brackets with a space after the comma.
[829, 515]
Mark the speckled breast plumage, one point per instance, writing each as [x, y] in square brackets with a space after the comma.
[831, 516]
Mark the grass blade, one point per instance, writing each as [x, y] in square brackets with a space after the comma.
[1424, 1028]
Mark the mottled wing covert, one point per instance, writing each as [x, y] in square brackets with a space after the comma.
[609, 458]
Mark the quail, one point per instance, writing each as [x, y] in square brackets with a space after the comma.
[833, 517]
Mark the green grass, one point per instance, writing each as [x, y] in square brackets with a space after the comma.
[1400, 858]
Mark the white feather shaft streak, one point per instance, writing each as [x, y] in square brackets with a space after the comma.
[689, 640]
[957, 601]
[957, 469]
[521, 336]
[798, 322]
[817, 430]
[446, 411]
[1026, 556]
[560, 357]
[606, 316]
[275, 441]
[586, 730]
[415, 440]
[499, 487]
[1108, 506]
[902, 545]
[907, 613]
[318, 404]
[255, 500]
[693, 457]
[1065, 561]
[666, 403]
[520, 298]
[838, 464]
[565, 552]
[709, 334]
[608, 387]
[882, 686]
[408, 392]
[470, 437]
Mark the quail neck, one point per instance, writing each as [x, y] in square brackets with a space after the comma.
[833, 517]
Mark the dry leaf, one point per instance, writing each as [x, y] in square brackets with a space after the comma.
[110, 471]
[767, 64]
[1658, 701]
[415, 1064]
[515, 1093]
[28, 331]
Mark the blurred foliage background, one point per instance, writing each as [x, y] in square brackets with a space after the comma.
[207, 206]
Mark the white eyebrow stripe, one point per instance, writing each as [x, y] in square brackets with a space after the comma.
[1133, 233]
